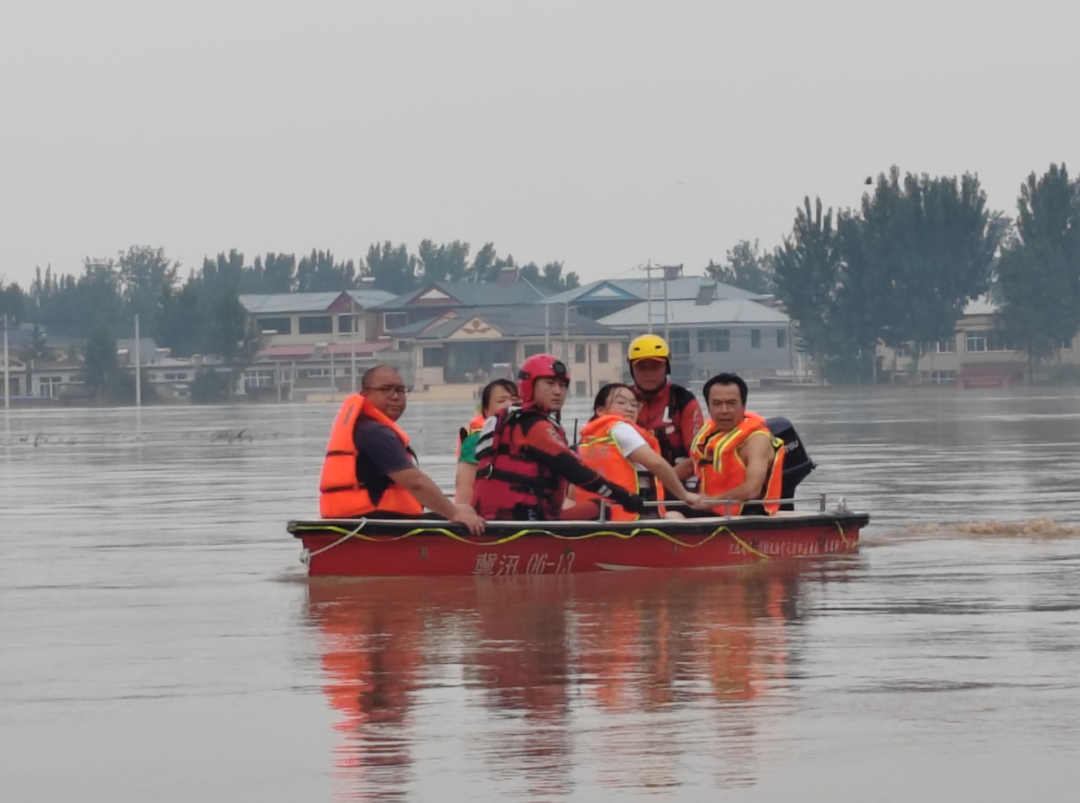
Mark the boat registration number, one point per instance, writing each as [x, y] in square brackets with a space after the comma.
[494, 563]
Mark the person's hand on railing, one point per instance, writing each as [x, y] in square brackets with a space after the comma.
[469, 518]
[693, 500]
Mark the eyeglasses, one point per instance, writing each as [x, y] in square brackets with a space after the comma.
[391, 390]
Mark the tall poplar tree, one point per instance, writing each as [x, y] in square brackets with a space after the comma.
[1037, 283]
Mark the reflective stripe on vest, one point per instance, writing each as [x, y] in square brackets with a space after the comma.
[508, 481]
[666, 422]
[600, 451]
[342, 495]
[720, 469]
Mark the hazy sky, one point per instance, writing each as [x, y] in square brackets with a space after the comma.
[601, 134]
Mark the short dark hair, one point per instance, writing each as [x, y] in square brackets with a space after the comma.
[726, 379]
[604, 396]
[370, 371]
[489, 388]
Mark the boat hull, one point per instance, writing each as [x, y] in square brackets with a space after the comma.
[370, 548]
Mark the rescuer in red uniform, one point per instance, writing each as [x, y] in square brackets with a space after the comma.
[669, 411]
[525, 462]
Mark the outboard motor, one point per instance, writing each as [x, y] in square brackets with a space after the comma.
[797, 463]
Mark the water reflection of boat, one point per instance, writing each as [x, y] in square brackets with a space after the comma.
[380, 547]
[525, 670]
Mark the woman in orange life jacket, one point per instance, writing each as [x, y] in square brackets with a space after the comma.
[370, 471]
[735, 456]
[496, 397]
[621, 451]
[525, 463]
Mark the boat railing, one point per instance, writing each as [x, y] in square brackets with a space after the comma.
[822, 501]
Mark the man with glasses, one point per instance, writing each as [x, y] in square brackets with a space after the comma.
[370, 469]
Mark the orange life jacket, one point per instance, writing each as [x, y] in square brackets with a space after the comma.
[342, 495]
[600, 451]
[472, 428]
[720, 469]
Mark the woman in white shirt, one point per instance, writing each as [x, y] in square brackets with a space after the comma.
[614, 446]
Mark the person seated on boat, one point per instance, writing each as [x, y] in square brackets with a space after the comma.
[525, 462]
[734, 456]
[370, 471]
[497, 396]
[669, 411]
[624, 453]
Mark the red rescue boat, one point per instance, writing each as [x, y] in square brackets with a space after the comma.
[387, 548]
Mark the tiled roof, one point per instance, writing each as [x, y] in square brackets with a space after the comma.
[471, 294]
[688, 312]
[683, 288]
[527, 321]
[280, 303]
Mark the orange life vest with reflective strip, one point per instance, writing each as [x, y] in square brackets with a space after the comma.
[720, 469]
[600, 451]
[342, 496]
[473, 427]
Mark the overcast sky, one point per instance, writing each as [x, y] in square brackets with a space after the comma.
[601, 134]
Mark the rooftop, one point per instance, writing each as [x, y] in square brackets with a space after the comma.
[512, 321]
[682, 313]
[281, 303]
[467, 294]
[683, 288]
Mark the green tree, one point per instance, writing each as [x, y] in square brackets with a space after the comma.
[210, 387]
[549, 279]
[100, 366]
[275, 274]
[12, 303]
[144, 274]
[392, 268]
[319, 273]
[484, 266]
[180, 317]
[1038, 276]
[808, 273]
[34, 352]
[448, 262]
[745, 267]
[920, 250]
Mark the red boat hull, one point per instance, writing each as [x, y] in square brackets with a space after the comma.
[397, 548]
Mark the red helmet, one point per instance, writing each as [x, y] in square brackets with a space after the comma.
[538, 366]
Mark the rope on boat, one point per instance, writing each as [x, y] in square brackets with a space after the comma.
[356, 533]
[306, 555]
[843, 537]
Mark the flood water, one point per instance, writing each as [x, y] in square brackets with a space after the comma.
[160, 641]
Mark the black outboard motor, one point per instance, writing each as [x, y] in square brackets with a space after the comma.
[797, 463]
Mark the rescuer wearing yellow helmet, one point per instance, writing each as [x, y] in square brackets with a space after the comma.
[669, 411]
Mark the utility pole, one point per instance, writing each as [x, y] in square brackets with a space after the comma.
[547, 329]
[648, 288]
[7, 369]
[352, 327]
[566, 334]
[138, 380]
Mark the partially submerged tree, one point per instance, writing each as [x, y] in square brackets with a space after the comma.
[1037, 284]
[807, 273]
[920, 250]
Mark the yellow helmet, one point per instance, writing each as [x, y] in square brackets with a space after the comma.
[648, 347]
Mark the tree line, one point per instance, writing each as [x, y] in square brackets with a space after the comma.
[901, 268]
[202, 313]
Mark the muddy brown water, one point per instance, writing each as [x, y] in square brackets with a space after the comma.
[160, 641]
